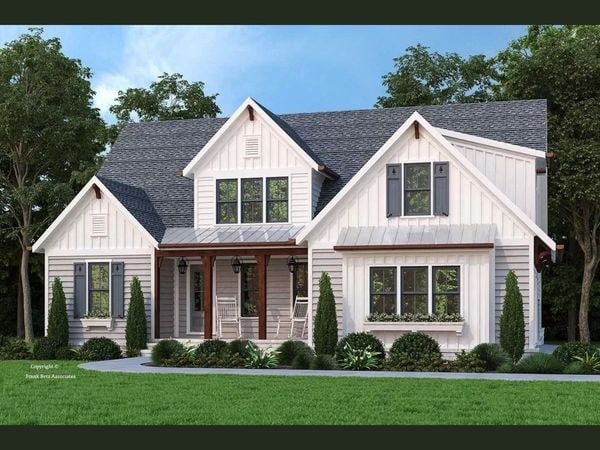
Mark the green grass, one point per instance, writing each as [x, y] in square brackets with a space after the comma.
[113, 398]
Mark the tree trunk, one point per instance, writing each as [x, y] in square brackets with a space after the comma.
[572, 323]
[27, 314]
[20, 324]
[589, 269]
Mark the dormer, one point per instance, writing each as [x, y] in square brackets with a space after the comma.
[254, 170]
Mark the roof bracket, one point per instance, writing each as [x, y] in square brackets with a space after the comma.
[250, 112]
[416, 125]
[97, 191]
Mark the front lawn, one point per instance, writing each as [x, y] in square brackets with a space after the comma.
[113, 398]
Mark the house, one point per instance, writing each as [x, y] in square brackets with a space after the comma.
[417, 210]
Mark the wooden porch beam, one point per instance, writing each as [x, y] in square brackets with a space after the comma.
[207, 279]
[262, 261]
[289, 251]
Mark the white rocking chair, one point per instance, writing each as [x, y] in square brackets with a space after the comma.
[228, 314]
[299, 316]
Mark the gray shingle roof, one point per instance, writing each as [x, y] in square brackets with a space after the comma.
[148, 155]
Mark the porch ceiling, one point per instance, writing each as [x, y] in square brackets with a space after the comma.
[417, 236]
[232, 234]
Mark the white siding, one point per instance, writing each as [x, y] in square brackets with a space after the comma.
[514, 174]
[277, 158]
[365, 204]
[75, 234]
[134, 265]
[327, 260]
[317, 184]
[474, 278]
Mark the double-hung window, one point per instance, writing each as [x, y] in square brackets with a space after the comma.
[252, 200]
[417, 189]
[98, 289]
[446, 290]
[227, 201]
[277, 199]
[383, 290]
[414, 297]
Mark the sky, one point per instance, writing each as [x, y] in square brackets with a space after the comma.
[286, 68]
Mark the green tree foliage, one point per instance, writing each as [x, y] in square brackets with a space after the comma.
[136, 331]
[58, 321]
[325, 327]
[512, 320]
[423, 77]
[48, 129]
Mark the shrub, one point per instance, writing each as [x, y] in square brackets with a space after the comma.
[506, 367]
[224, 359]
[491, 355]
[3, 341]
[577, 368]
[432, 362]
[166, 350]
[65, 353]
[359, 358]
[591, 361]
[512, 320]
[568, 351]
[45, 348]
[326, 327]
[136, 331]
[360, 341]
[323, 362]
[239, 346]
[211, 347]
[467, 362]
[290, 349]
[261, 359]
[302, 360]
[99, 349]
[15, 348]
[58, 321]
[539, 363]
[415, 345]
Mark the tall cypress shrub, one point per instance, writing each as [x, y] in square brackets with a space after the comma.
[325, 328]
[136, 332]
[512, 320]
[58, 321]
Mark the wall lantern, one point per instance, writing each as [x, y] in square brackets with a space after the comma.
[236, 264]
[182, 266]
[292, 263]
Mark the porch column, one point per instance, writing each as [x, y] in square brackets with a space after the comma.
[157, 263]
[262, 261]
[207, 269]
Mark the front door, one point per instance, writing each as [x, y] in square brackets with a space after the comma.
[196, 300]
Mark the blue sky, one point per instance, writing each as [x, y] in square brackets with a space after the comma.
[286, 68]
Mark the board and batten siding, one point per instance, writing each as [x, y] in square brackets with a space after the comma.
[515, 258]
[133, 265]
[365, 204]
[330, 261]
[514, 174]
[474, 292]
[277, 158]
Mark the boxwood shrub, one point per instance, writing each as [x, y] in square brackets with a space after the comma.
[415, 345]
[45, 348]
[239, 346]
[166, 351]
[567, 352]
[99, 349]
[288, 351]
[359, 341]
[211, 347]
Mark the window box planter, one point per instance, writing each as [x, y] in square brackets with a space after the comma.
[97, 322]
[455, 327]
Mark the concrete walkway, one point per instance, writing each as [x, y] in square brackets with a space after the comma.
[137, 365]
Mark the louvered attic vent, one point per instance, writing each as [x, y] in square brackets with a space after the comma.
[99, 225]
[252, 147]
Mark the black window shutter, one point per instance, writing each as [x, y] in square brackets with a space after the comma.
[441, 189]
[79, 296]
[394, 190]
[117, 291]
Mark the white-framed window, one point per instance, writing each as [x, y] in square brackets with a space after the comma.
[417, 189]
[98, 289]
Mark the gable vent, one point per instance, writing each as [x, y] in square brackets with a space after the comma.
[252, 147]
[99, 225]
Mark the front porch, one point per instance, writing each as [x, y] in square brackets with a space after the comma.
[189, 282]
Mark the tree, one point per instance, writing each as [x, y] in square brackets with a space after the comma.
[562, 65]
[48, 129]
[169, 98]
[326, 327]
[58, 321]
[512, 320]
[422, 77]
[136, 331]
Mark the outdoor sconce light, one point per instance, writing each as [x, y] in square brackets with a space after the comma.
[236, 264]
[182, 266]
[292, 264]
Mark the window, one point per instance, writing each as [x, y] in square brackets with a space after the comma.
[98, 290]
[252, 200]
[446, 290]
[198, 288]
[249, 295]
[300, 281]
[227, 205]
[414, 290]
[383, 290]
[417, 189]
[277, 199]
